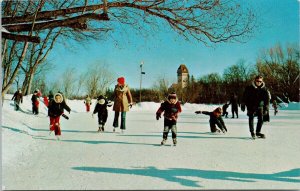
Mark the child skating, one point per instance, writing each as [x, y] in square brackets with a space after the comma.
[55, 110]
[171, 108]
[101, 109]
[215, 120]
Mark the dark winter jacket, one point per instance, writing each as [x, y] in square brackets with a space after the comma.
[56, 109]
[214, 118]
[18, 97]
[234, 102]
[255, 97]
[101, 109]
[34, 100]
[170, 110]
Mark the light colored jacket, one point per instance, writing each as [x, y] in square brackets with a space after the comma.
[122, 98]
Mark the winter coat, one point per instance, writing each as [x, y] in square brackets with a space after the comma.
[170, 110]
[34, 100]
[122, 98]
[88, 101]
[17, 97]
[213, 118]
[56, 109]
[234, 102]
[255, 97]
[101, 109]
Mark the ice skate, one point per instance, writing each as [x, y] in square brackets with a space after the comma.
[260, 135]
[163, 142]
[252, 135]
[175, 142]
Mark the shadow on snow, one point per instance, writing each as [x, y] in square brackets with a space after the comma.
[179, 175]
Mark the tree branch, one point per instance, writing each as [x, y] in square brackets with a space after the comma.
[23, 38]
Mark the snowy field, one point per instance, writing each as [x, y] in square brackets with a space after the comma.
[84, 159]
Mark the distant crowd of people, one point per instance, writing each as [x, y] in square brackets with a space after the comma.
[255, 99]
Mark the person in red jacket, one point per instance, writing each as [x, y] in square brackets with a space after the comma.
[171, 108]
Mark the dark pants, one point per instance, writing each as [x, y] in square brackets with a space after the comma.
[234, 110]
[123, 120]
[17, 107]
[35, 109]
[169, 125]
[259, 114]
[213, 123]
[225, 113]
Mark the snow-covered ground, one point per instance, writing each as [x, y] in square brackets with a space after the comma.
[85, 159]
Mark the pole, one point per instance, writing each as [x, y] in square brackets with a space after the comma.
[141, 66]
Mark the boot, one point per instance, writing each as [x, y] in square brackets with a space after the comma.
[253, 135]
[163, 142]
[174, 141]
[260, 135]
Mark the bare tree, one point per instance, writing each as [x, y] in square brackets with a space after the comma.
[68, 81]
[162, 87]
[98, 79]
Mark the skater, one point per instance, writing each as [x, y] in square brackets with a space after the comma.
[35, 103]
[17, 98]
[101, 109]
[275, 106]
[50, 95]
[224, 108]
[46, 101]
[171, 108]
[122, 102]
[256, 99]
[88, 103]
[215, 119]
[234, 105]
[55, 110]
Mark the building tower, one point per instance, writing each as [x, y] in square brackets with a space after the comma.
[182, 76]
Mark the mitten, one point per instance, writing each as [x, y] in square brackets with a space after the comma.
[158, 116]
[130, 105]
[198, 112]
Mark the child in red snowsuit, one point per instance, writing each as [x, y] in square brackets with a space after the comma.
[171, 108]
[55, 110]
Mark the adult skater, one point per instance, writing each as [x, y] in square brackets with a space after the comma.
[256, 99]
[234, 105]
[122, 102]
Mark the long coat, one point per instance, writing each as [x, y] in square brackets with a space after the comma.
[122, 98]
[256, 97]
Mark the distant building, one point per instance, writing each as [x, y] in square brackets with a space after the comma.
[182, 76]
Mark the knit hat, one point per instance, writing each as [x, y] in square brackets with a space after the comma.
[121, 80]
[172, 96]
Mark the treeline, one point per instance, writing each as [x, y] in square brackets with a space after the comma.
[278, 66]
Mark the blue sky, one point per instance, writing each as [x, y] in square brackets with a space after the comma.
[163, 53]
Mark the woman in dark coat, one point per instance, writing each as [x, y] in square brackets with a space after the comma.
[55, 110]
[101, 109]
